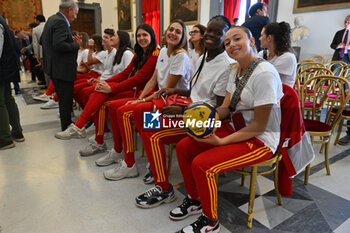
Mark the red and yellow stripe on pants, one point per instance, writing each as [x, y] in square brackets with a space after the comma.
[153, 142]
[200, 162]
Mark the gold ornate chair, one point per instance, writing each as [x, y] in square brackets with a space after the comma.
[323, 128]
[317, 58]
[330, 65]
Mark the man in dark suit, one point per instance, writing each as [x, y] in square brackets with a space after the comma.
[9, 72]
[258, 19]
[60, 50]
[341, 44]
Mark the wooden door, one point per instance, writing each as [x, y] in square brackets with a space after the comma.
[85, 22]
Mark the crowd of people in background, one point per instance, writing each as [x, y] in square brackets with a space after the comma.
[111, 79]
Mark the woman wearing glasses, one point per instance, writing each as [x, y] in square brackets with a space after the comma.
[196, 45]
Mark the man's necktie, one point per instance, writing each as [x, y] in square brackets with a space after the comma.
[342, 51]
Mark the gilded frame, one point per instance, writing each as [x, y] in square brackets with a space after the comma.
[124, 8]
[186, 10]
[301, 6]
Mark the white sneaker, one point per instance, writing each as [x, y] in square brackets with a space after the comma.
[121, 171]
[42, 97]
[106, 136]
[93, 148]
[50, 105]
[108, 159]
[71, 132]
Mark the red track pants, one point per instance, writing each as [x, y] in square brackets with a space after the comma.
[199, 162]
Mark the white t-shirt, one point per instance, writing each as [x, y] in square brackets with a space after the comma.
[263, 87]
[82, 56]
[108, 65]
[101, 56]
[286, 65]
[193, 58]
[175, 65]
[125, 61]
[212, 80]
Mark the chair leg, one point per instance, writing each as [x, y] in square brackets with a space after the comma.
[341, 122]
[326, 159]
[307, 171]
[252, 196]
[170, 157]
[321, 149]
[243, 177]
[275, 181]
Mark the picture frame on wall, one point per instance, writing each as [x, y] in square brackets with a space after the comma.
[186, 10]
[301, 6]
[124, 15]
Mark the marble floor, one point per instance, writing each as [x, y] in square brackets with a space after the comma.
[46, 187]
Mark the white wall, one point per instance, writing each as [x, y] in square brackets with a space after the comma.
[322, 24]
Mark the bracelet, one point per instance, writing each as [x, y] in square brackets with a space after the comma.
[144, 99]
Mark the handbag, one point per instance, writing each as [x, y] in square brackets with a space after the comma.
[178, 100]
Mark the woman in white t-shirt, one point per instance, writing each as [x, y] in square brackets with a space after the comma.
[172, 70]
[276, 38]
[228, 149]
[196, 45]
[82, 52]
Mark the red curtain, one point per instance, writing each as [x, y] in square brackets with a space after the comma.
[231, 8]
[151, 15]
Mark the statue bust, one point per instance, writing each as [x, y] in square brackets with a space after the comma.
[299, 32]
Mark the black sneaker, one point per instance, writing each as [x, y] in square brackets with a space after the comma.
[18, 137]
[187, 208]
[155, 196]
[6, 144]
[148, 178]
[203, 224]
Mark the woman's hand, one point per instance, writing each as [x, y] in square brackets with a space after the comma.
[172, 110]
[103, 87]
[134, 101]
[94, 80]
[223, 112]
[212, 139]
[164, 92]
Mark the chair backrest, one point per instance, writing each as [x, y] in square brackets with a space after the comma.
[334, 64]
[317, 58]
[307, 74]
[342, 71]
[326, 85]
[302, 65]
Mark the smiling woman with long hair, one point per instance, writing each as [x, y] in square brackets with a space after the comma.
[251, 142]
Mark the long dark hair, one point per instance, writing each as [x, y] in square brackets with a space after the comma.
[98, 42]
[202, 30]
[141, 56]
[281, 33]
[124, 44]
[183, 42]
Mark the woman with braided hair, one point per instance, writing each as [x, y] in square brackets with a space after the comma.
[276, 38]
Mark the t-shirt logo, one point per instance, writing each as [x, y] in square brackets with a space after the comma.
[151, 120]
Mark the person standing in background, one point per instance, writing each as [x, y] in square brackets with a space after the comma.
[60, 51]
[9, 72]
[258, 19]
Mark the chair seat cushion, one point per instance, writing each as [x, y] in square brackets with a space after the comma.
[309, 104]
[346, 111]
[316, 126]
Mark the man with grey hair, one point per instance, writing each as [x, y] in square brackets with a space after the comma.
[60, 50]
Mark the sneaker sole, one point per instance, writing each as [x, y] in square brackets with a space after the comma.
[156, 204]
[104, 165]
[95, 153]
[67, 138]
[116, 179]
[148, 182]
[186, 216]
[48, 108]
[8, 146]
[19, 139]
